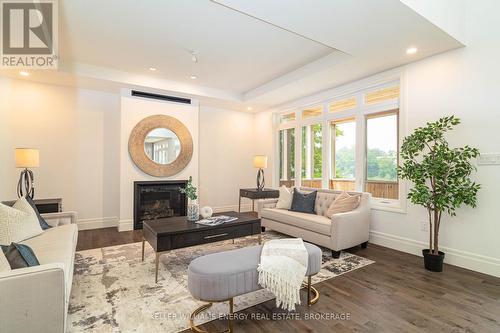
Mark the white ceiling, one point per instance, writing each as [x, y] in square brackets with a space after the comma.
[260, 53]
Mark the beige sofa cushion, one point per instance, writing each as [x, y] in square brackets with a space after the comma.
[57, 245]
[343, 203]
[285, 199]
[312, 222]
[18, 222]
[4, 264]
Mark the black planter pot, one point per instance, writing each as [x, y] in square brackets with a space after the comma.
[433, 263]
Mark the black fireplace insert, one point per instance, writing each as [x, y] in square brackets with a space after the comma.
[155, 200]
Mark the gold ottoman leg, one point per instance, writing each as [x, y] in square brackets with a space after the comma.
[204, 307]
[311, 290]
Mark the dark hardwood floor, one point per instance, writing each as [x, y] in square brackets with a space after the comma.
[395, 294]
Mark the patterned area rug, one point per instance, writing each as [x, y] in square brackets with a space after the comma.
[114, 291]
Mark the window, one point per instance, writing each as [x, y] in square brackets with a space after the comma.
[287, 157]
[381, 95]
[312, 112]
[284, 118]
[342, 105]
[343, 146]
[312, 156]
[382, 155]
[348, 142]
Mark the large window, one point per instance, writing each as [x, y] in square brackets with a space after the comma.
[347, 142]
[382, 155]
[312, 156]
[287, 157]
[343, 156]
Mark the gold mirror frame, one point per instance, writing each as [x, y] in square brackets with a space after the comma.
[138, 154]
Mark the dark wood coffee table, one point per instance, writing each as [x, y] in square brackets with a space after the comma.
[177, 232]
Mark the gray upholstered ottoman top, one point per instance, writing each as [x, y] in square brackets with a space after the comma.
[220, 276]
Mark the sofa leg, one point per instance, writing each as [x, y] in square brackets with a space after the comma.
[364, 245]
[335, 254]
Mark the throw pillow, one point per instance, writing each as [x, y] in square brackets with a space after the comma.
[19, 256]
[4, 263]
[285, 199]
[303, 202]
[18, 222]
[43, 224]
[343, 203]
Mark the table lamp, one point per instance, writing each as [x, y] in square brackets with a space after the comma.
[260, 162]
[26, 158]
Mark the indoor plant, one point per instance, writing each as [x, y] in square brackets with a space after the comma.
[441, 178]
[192, 208]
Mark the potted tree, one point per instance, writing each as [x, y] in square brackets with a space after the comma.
[441, 178]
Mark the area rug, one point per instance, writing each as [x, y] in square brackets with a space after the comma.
[114, 291]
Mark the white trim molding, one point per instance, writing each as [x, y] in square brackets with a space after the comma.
[464, 259]
[97, 223]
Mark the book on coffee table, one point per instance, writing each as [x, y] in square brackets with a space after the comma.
[216, 220]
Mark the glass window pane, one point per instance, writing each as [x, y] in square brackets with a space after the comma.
[382, 156]
[381, 95]
[312, 155]
[343, 136]
[342, 105]
[287, 157]
[287, 117]
[312, 112]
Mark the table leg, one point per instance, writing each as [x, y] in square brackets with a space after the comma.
[239, 205]
[253, 205]
[143, 241]
[259, 238]
[156, 266]
[233, 240]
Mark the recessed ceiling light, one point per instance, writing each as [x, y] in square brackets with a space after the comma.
[193, 77]
[249, 108]
[24, 73]
[152, 69]
[411, 50]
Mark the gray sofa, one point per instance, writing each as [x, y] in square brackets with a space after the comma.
[36, 299]
[342, 231]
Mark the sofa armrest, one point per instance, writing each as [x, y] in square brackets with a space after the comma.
[55, 219]
[351, 228]
[32, 299]
[265, 203]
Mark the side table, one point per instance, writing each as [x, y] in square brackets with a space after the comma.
[253, 194]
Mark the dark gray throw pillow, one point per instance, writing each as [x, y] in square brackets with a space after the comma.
[19, 256]
[43, 224]
[303, 202]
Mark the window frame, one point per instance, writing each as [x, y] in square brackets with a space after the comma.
[359, 114]
[380, 114]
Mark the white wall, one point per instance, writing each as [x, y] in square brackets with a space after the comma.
[226, 152]
[133, 110]
[464, 82]
[75, 131]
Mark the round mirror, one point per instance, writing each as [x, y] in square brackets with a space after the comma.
[162, 146]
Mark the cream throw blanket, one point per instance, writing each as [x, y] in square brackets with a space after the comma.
[282, 268]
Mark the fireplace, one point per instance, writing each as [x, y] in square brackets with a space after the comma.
[155, 200]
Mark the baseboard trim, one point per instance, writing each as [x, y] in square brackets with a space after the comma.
[469, 260]
[97, 223]
[229, 208]
[125, 225]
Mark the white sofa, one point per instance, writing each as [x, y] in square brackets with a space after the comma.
[342, 231]
[36, 299]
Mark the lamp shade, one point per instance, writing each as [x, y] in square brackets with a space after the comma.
[260, 161]
[27, 158]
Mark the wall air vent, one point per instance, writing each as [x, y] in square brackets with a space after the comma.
[167, 98]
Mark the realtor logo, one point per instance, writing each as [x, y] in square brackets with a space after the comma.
[29, 31]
